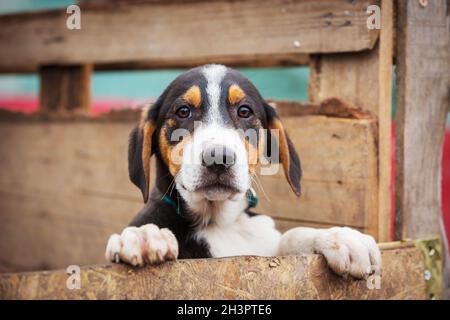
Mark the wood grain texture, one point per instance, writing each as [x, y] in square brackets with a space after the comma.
[176, 33]
[339, 162]
[423, 68]
[62, 185]
[365, 80]
[287, 277]
[64, 89]
[423, 101]
[64, 181]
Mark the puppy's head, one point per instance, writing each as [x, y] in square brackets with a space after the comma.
[210, 128]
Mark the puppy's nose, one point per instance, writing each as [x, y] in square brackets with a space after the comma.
[218, 157]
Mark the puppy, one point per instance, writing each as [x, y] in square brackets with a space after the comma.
[209, 131]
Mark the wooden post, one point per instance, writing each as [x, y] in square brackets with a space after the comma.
[423, 82]
[365, 80]
[65, 88]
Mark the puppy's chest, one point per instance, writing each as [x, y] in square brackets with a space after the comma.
[245, 236]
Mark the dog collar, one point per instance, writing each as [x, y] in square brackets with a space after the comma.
[170, 202]
[252, 200]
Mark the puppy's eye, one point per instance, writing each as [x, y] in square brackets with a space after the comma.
[244, 111]
[183, 112]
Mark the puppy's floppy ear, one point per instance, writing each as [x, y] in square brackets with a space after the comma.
[287, 153]
[140, 149]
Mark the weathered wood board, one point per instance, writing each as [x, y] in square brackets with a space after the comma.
[178, 33]
[64, 185]
[423, 102]
[287, 277]
[364, 79]
[65, 88]
[339, 164]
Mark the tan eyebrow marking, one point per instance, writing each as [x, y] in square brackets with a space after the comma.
[235, 94]
[193, 96]
[171, 123]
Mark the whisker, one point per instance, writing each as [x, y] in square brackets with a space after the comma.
[171, 184]
[259, 183]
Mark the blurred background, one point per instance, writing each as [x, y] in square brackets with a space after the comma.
[113, 90]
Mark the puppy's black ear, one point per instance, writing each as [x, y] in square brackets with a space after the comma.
[287, 154]
[140, 149]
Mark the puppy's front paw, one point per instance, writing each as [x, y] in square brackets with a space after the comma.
[138, 246]
[349, 252]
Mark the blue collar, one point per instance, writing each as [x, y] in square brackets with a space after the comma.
[252, 201]
[172, 203]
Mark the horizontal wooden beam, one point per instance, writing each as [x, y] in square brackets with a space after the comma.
[288, 277]
[152, 34]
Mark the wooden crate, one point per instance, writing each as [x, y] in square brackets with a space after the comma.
[68, 179]
[64, 185]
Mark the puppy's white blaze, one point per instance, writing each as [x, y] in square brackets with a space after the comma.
[214, 74]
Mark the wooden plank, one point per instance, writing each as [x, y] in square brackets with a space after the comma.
[65, 88]
[176, 33]
[67, 175]
[68, 188]
[284, 225]
[365, 80]
[287, 277]
[339, 165]
[244, 61]
[49, 231]
[423, 82]
[423, 36]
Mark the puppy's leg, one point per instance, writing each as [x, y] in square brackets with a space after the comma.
[138, 246]
[346, 250]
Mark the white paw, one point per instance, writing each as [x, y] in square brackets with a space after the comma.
[138, 246]
[349, 252]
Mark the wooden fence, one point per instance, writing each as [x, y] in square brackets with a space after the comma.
[64, 184]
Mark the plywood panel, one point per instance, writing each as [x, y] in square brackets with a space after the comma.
[288, 277]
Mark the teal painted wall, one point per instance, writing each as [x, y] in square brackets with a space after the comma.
[276, 83]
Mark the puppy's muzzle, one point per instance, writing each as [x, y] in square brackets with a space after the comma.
[218, 158]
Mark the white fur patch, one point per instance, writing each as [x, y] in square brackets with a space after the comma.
[244, 235]
[138, 246]
[346, 250]
[214, 74]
